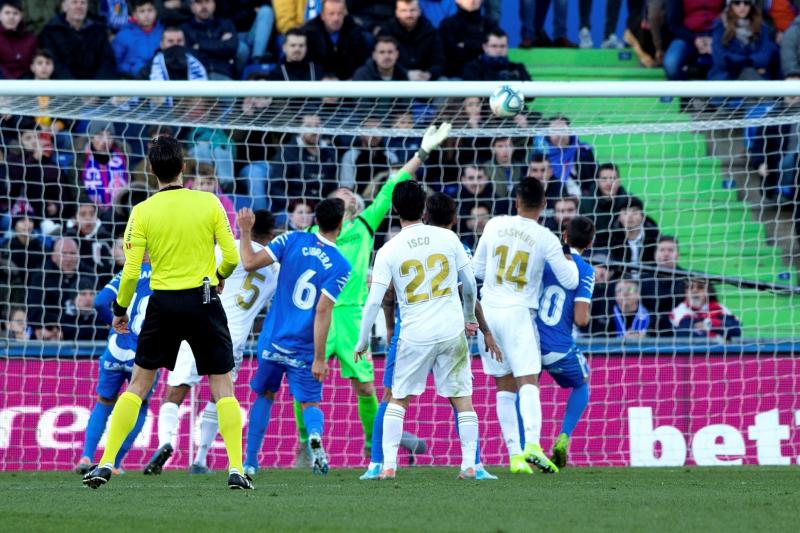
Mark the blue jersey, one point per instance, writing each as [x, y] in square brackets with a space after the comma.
[310, 266]
[557, 307]
[123, 345]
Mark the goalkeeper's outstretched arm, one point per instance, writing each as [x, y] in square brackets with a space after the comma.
[430, 141]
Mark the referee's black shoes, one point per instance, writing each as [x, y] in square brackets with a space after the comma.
[158, 460]
[97, 477]
[237, 481]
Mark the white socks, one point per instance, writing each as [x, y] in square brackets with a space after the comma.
[530, 409]
[468, 432]
[507, 415]
[167, 423]
[208, 431]
[392, 433]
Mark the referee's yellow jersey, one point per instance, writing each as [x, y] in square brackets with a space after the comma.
[179, 228]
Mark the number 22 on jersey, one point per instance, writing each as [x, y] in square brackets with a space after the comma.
[513, 273]
[437, 263]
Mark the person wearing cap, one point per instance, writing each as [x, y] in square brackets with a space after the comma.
[103, 164]
[741, 44]
[178, 228]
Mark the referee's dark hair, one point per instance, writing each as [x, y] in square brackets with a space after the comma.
[530, 193]
[408, 200]
[580, 232]
[329, 214]
[440, 209]
[166, 158]
[264, 224]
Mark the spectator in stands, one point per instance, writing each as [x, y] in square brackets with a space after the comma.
[214, 146]
[502, 170]
[118, 254]
[438, 10]
[564, 210]
[663, 289]
[15, 326]
[366, 157]
[790, 48]
[204, 179]
[612, 19]
[253, 20]
[532, 14]
[421, 52]
[39, 12]
[295, 65]
[213, 40]
[174, 12]
[336, 41]
[103, 164]
[462, 36]
[630, 319]
[604, 203]
[116, 218]
[474, 223]
[17, 44]
[372, 13]
[702, 316]
[473, 188]
[541, 169]
[383, 65]
[79, 44]
[136, 42]
[290, 14]
[689, 22]
[174, 62]
[42, 65]
[52, 307]
[114, 13]
[570, 158]
[742, 48]
[493, 64]
[301, 215]
[781, 15]
[94, 242]
[33, 177]
[24, 253]
[635, 236]
[307, 164]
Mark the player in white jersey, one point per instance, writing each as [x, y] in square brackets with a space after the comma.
[425, 264]
[245, 295]
[510, 258]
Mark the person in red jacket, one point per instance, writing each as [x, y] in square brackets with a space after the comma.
[690, 22]
[16, 43]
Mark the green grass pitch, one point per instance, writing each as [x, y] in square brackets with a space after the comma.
[421, 499]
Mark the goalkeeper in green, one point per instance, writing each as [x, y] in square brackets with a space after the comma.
[356, 242]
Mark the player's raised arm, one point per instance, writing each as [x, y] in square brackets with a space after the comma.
[251, 261]
[566, 270]
[430, 141]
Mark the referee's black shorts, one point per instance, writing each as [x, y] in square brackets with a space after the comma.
[175, 316]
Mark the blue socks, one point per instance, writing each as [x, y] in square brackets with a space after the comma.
[256, 427]
[577, 402]
[477, 448]
[377, 434]
[131, 438]
[313, 419]
[95, 428]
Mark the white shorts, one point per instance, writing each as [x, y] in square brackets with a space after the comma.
[514, 329]
[448, 360]
[185, 372]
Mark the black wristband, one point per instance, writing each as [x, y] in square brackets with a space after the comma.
[566, 249]
[220, 276]
[422, 154]
[119, 310]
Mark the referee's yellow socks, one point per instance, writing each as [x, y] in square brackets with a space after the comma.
[123, 418]
[229, 416]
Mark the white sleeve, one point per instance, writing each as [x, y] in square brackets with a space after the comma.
[566, 271]
[371, 309]
[469, 288]
[479, 259]
[462, 259]
[381, 272]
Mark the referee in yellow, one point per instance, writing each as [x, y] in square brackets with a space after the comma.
[178, 227]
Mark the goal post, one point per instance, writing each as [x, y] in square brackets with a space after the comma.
[700, 369]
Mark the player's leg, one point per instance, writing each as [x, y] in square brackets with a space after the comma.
[302, 458]
[265, 383]
[167, 425]
[569, 371]
[376, 450]
[481, 474]
[308, 391]
[128, 444]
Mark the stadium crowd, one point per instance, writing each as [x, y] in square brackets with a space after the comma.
[67, 186]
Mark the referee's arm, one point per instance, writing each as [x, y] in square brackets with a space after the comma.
[226, 243]
[134, 246]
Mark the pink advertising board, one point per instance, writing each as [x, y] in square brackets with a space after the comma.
[644, 411]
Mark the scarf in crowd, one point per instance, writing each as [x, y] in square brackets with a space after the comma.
[180, 62]
[640, 322]
[561, 158]
[743, 32]
[712, 315]
[104, 180]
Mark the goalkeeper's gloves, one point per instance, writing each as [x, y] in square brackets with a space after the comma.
[432, 139]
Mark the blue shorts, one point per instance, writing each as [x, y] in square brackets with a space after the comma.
[113, 373]
[569, 371]
[391, 355]
[271, 368]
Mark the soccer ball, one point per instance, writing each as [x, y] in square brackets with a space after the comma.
[506, 101]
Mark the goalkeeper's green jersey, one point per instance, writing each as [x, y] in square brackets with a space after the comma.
[357, 239]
